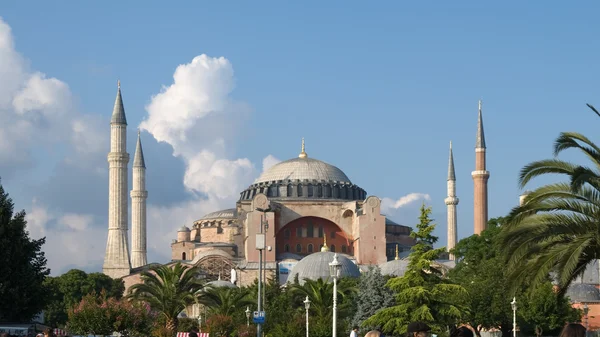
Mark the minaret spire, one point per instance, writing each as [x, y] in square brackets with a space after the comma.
[116, 261]
[138, 208]
[451, 203]
[303, 153]
[480, 179]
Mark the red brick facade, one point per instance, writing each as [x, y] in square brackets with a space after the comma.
[305, 235]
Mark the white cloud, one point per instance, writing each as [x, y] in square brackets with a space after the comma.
[269, 161]
[389, 205]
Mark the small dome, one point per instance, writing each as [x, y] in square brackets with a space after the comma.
[230, 213]
[303, 169]
[316, 266]
[394, 267]
[220, 284]
[184, 229]
[583, 293]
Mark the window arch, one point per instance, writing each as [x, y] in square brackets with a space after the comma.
[344, 249]
[286, 248]
[310, 248]
[332, 248]
[298, 248]
[183, 256]
[219, 229]
[299, 190]
[286, 233]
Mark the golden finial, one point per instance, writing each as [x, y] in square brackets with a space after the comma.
[119, 84]
[397, 256]
[303, 153]
[324, 248]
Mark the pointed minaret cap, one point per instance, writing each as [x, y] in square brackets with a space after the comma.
[303, 153]
[138, 158]
[451, 175]
[480, 144]
[118, 115]
[324, 248]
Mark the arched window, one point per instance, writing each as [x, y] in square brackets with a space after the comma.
[290, 190]
[219, 230]
[343, 248]
[333, 235]
[298, 248]
[286, 233]
[310, 248]
[320, 231]
[183, 256]
[286, 248]
[310, 230]
[332, 248]
[310, 190]
[299, 190]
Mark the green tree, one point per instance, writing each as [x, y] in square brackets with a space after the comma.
[372, 296]
[68, 289]
[226, 301]
[422, 294]
[557, 227]
[22, 266]
[545, 310]
[168, 290]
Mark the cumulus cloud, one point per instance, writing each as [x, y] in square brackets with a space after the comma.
[269, 161]
[389, 205]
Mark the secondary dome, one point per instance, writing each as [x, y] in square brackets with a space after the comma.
[303, 178]
[394, 267]
[583, 293]
[316, 266]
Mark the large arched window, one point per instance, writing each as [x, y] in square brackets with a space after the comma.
[183, 256]
[298, 248]
[310, 248]
[286, 233]
[299, 190]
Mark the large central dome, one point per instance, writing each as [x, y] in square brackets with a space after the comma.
[303, 169]
[304, 178]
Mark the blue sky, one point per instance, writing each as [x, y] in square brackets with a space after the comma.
[377, 89]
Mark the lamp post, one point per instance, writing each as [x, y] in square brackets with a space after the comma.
[260, 245]
[513, 304]
[586, 309]
[247, 316]
[307, 306]
[199, 321]
[334, 269]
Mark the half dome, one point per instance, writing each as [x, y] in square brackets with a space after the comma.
[316, 266]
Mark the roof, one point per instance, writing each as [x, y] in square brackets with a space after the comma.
[211, 252]
[451, 175]
[118, 115]
[394, 267]
[480, 142]
[303, 168]
[583, 293]
[230, 213]
[220, 284]
[184, 229]
[316, 266]
[138, 158]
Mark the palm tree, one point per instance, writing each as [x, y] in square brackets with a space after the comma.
[168, 290]
[320, 294]
[557, 229]
[225, 301]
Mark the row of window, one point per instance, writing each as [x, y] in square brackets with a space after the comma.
[310, 248]
[307, 232]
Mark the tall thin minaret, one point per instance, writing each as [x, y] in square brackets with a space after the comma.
[480, 180]
[116, 260]
[138, 208]
[451, 202]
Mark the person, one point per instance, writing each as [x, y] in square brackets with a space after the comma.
[463, 331]
[49, 333]
[354, 332]
[374, 333]
[418, 329]
[573, 330]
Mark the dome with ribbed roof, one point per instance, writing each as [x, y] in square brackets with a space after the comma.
[394, 267]
[303, 169]
[316, 266]
[220, 284]
[583, 293]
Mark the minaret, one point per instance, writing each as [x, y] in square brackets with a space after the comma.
[138, 208]
[480, 179]
[116, 260]
[451, 202]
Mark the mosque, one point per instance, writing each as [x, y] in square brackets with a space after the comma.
[307, 210]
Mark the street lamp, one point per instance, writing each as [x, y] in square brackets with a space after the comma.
[586, 309]
[513, 304]
[335, 267]
[247, 316]
[307, 306]
[199, 321]
[260, 245]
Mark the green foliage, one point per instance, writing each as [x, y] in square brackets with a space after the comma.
[101, 315]
[373, 295]
[556, 229]
[187, 324]
[544, 310]
[67, 290]
[22, 266]
[220, 325]
[422, 294]
[226, 301]
[168, 290]
[320, 294]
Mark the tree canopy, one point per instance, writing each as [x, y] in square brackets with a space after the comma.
[22, 266]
